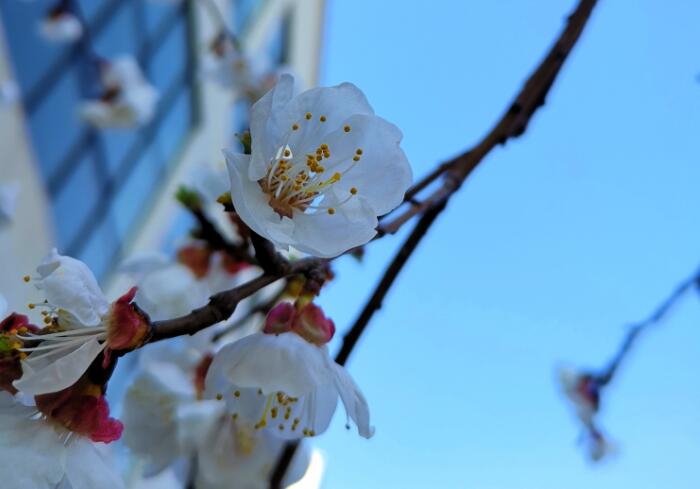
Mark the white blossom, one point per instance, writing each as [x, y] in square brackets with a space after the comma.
[164, 416]
[36, 453]
[322, 168]
[285, 383]
[167, 289]
[83, 325]
[60, 25]
[128, 99]
[232, 68]
[167, 420]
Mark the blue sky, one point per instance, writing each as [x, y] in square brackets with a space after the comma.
[557, 242]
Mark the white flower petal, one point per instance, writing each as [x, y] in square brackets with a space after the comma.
[66, 28]
[269, 123]
[53, 373]
[149, 422]
[312, 232]
[143, 263]
[170, 292]
[88, 468]
[252, 205]
[353, 400]
[33, 455]
[272, 363]
[70, 285]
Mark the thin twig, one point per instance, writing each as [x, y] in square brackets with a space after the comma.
[208, 232]
[654, 318]
[511, 125]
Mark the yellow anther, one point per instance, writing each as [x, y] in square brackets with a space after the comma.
[47, 319]
[273, 412]
[324, 147]
[26, 278]
[331, 211]
[346, 128]
[284, 178]
[234, 416]
[353, 190]
[308, 116]
[322, 118]
[355, 158]
[23, 330]
[287, 152]
[260, 392]
[237, 393]
[320, 169]
[281, 427]
[219, 397]
[31, 306]
[358, 151]
[295, 127]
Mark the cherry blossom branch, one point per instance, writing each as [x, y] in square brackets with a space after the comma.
[222, 305]
[654, 318]
[262, 308]
[512, 123]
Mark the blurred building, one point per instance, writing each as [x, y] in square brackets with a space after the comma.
[99, 195]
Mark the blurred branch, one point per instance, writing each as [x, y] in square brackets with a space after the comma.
[511, 125]
[654, 318]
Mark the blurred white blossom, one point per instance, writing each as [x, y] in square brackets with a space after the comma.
[127, 100]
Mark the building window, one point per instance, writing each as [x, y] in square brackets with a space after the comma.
[99, 182]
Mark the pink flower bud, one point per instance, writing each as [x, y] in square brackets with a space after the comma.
[127, 327]
[311, 324]
[280, 318]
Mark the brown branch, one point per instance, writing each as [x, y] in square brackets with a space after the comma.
[511, 125]
[222, 305]
[262, 308]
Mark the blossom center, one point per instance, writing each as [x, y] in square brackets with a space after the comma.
[298, 181]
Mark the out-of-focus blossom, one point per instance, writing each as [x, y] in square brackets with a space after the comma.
[41, 452]
[168, 289]
[127, 100]
[285, 383]
[167, 420]
[81, 324]
[164, 414]
[60, 25]
[583, 390]
[231, 68]
[8, 201]
[322, 168]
